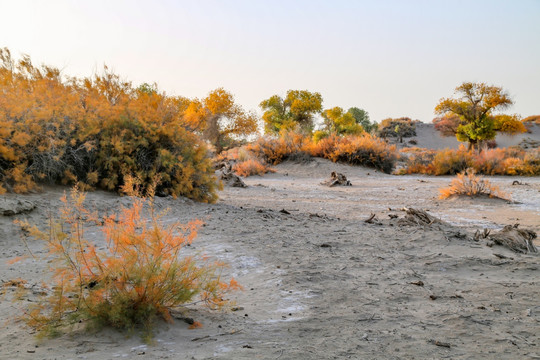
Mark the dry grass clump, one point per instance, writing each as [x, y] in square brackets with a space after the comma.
[140, 275]
[467, 183]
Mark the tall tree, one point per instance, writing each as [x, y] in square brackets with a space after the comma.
[475, 104]
[361, 117]
[295, 111]
[219, 119]
[339, 122]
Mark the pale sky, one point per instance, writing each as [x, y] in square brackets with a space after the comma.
[392, 58]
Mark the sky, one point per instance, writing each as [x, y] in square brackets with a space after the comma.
[392, 58]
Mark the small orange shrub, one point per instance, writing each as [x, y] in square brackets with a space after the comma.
[141, 274]
[251, 167]
[468, 184]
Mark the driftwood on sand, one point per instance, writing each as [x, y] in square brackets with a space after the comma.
[226, 174]
[517, 240]
[418, 217]
[336, 179]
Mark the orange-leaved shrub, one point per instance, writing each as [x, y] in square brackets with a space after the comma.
[243, 161]
[498, 161]
[251, 167]
[275, 150]
[94, 132]
[365, 149]
[139, 276]
[467, 183]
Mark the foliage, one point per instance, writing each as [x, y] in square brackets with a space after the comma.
[468, 184]
[276, 150]
[251, 167]
[94, 132]
[509, 124]
[141, 274]
[294, 112]
[362, 118]
[244, 162]
[447, 124]
[474, 106]
[509, 161]
[219, 119]
[365, 150]
[400, 128]
[337, 121]
[319, 135]
[418, 160]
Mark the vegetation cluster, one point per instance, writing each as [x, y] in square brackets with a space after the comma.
[366, 150]
[505, 161]
[95, 131]
[139, 275]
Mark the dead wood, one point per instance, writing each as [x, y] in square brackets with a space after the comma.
[440, 343]
[10, 207]
[481, 235]
[369, 220]
[517, 240]
[418, 217]
[229, 177]
[336, 179]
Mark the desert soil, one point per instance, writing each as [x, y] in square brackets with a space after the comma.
[319, 282]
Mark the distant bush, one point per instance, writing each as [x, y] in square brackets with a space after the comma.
[507, 161]
[399, 128]
[94, 132]
[418, 160]
[251, 167]
[533, 119]
[139, 276]
[365, 150]
[468, 184]
[275, 150]
[447, 124]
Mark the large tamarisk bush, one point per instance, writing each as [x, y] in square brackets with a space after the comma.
[94, 132]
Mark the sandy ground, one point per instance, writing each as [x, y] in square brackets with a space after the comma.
[319, 282]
